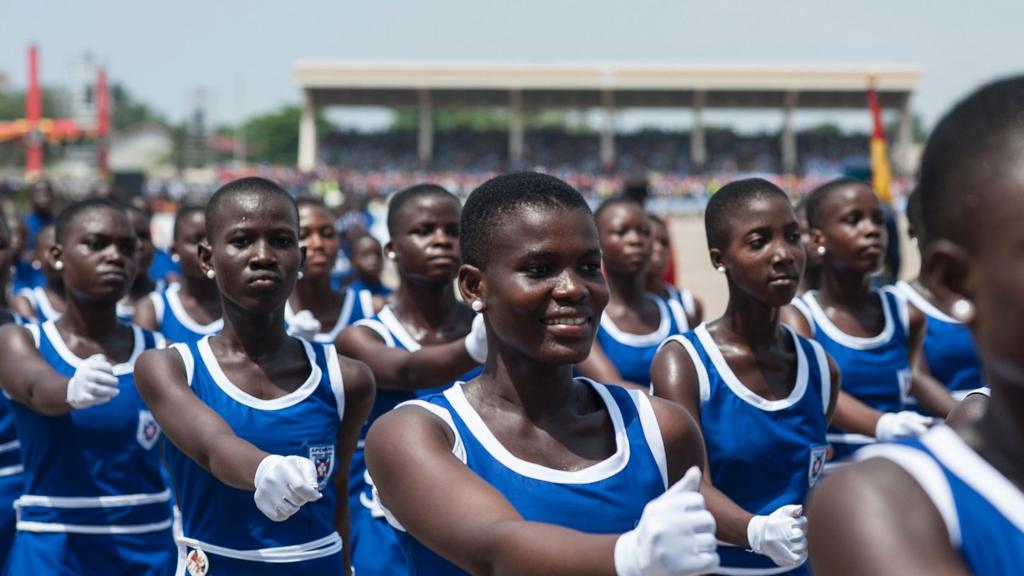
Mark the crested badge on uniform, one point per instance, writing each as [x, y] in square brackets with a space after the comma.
[323, 460]
[819, 454]
[196, 563]
[149, 431]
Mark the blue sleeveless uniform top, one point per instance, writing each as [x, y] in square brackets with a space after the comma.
[10, 447]
[605, 498]
[174, 322]
[376, 289]
[356, 306]
[24, 276]
[126, 312]
[948, 347]
[40, 303]
[96, 470]
[632, 353]
[983, 510]
[223, 521]
[682, 305]
[875, 370]
[762, 454]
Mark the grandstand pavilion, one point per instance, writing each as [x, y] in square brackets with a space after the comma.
[608, 86]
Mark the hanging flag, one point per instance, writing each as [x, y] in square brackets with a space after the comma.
[880, 172]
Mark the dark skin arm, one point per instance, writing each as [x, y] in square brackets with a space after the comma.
[929, 392]
[599, 368]
[793, 318]
[359, 395]
[27, 378]
[698, 313]
[474, 526]
[970, 409]
[145, 314]
[23, 307]
[873, 518]
[397, 369]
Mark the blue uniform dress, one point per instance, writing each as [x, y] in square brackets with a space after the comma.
[10, 469]
[948, 347]
[357, 306]
[94, 500]
[223, 522]
[375, 550]
[174, 322]
[983, 510]
[24, 275]
[40, 303]
[632, 353]
[605, 498]
[376, 289]
[762, 454]
[682, 305]
[126, 312]
[875, 370]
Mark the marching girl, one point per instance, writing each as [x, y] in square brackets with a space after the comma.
[686, 308]
[422, 340]
[94, 496]
[46, 302]
[189, 308]
[315, 310]
[262, 425]
[872, 335]
[950, 501]
[747, 373]
[10, 452]
[143, 286]
[526, 469]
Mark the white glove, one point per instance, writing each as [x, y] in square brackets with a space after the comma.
[675, 535]
[901, 425]
[476, 340]
[304, 325]
[93, 383]
[284, 484]
[781, 535]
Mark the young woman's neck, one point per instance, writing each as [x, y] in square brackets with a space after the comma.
[811, 280]
[627, 289]
[541, 391]
[97, 322]
[848, 288]
[314, 293]
[754, 322]
[55, 289]
[202, 289]
[656, 286]
[429, 303]
[257, 335]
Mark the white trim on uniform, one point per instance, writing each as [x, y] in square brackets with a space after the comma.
[397, 329]
[41, 299]
[800, 306]
[976, 472]
[641, 340]
[922, 303]
[10, 446]
[378, 329]
[366, 303]
[821, 320]
[187, 360]
[158, 306]
[727, 571]
[78, 502]
[242, 397]
[11, 470]
[824, 372]
[334, 375]
[593, 473]
[126, 367]
[928, 475]
[703, 380]
[652, 432]
[339, 324]
[326, 546]
[33, 329]
[984, 391]
[746, 394]
[51, 527]
[178, 309]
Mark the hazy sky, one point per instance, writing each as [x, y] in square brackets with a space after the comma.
[242, 52]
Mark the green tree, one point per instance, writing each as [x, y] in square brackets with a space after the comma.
[127, 111]
[274, 137]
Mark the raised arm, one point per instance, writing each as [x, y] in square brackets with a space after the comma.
[599, 367]
[145, 314]
[28, 379]
[359, 394]
[398, 369]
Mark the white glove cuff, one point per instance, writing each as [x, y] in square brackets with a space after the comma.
[626, 561]
[265, 465]
[755, 531]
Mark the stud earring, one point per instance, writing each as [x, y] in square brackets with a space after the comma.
[963, 310]
[392, 256]
[58, 265]
[821, 250]
[300, 274]
[210, 273]
[477, 306]
[721, 269]
[175, 258]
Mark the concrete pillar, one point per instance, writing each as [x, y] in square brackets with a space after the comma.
[905, 139]
[307, 134]
[425, 143]
[515, 128]
[608, 129]
[698, 146]
[789, 159]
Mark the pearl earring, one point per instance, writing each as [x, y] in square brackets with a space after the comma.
[210, 273]
[821, 250]
[58, 265]
[392, 256]
[175, 258]
[477, 306]
[721, 269]
[963, 310]
[300, 274]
